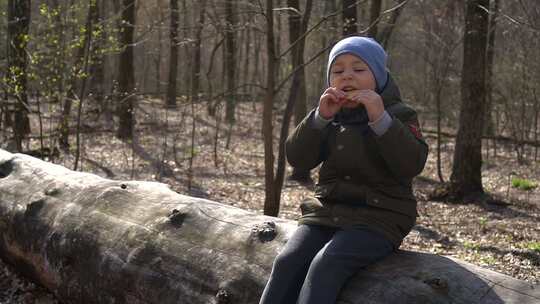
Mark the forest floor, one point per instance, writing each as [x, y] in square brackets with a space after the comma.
[502, 234]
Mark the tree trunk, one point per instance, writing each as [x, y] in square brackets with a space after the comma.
[349, 17]
[374, 13]
[173, 62]
[256, 75]
[271, 205]
[490, 56]
[211, 105]
[247, 62]
[94, 240]
[386, 34]
[536, 114]
[18, 26]
[466, 175]
[230, 61]
[185, 62]
[240, 68]
[5, 120]
[111, 8]
[58, 50]
[297, 94]
[126, 77]
[329, 34]
[438, 97]
[196, 73]
[97, 69]
[159, 51]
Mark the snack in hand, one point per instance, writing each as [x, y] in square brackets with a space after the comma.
[350, 94]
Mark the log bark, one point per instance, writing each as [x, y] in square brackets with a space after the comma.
[95, 240]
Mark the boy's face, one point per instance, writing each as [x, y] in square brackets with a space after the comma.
[349, 73]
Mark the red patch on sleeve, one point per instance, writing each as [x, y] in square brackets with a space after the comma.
[415, 129]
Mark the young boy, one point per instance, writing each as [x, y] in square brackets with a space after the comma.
[370, 147]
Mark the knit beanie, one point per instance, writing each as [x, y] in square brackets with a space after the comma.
[368, 50]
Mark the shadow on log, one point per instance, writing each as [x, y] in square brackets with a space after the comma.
[94, 240]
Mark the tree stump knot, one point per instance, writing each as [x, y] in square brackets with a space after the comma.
[6, 169]
[223, 297]
[177, 218]
[437, 283]
[265, 232]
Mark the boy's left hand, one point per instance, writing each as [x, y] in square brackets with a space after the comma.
[370, 100]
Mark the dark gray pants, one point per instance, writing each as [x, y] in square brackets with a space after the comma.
[317, 261]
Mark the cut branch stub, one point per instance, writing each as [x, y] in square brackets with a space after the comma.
[177, 218]
[265, 232]
[222, 297]
[6, 169]
[437, 283]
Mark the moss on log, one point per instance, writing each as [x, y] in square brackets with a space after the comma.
[94, 240]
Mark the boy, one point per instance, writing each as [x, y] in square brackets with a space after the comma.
[370, 147]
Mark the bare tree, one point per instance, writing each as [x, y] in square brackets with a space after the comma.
[187, 49]
[97, 67]
[349, 17]
[384, 36]
[230, 61]
[18, 25]
[196, 71]
[173, 63]
[466, 175]
[126, 77]
[194, 96]
[271, 205]
[490, 55]
[58, 50]
[374, 14]
[297, 94]
[158, 58]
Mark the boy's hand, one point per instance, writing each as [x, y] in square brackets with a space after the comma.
[370, 100]
[330, 102]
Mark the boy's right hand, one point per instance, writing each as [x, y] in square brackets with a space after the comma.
[330, 102]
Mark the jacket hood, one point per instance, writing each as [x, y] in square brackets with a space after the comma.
[390, 93]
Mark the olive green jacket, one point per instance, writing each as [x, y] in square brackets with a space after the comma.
[364, 179]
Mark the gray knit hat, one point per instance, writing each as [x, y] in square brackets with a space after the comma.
[368, 50]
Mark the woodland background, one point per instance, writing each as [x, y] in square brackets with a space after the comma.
[201, 95]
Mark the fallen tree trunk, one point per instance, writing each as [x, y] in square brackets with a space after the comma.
[94, 240]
